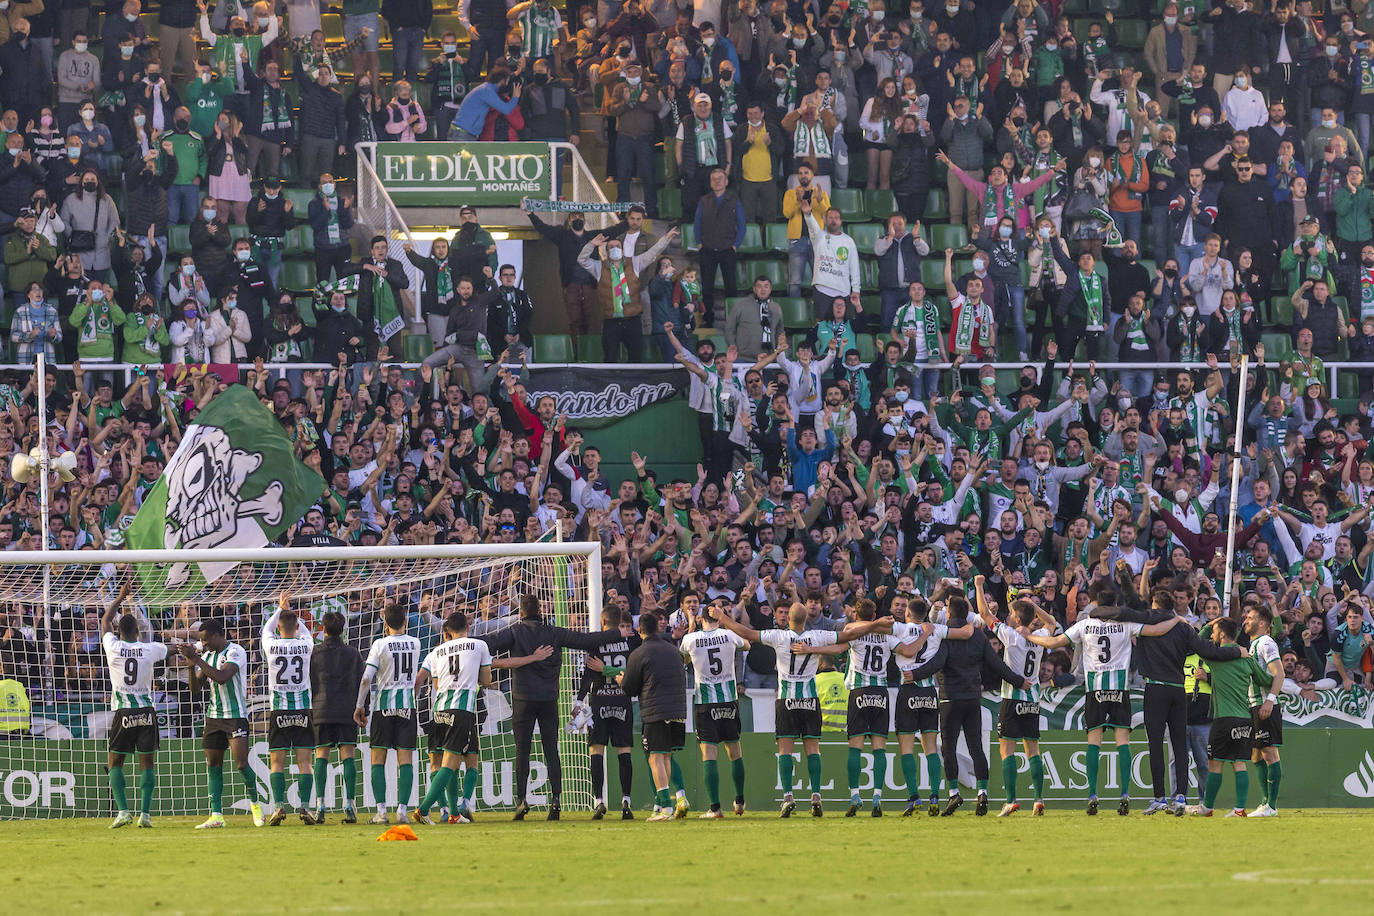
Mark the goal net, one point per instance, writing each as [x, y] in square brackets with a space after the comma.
[57, 766]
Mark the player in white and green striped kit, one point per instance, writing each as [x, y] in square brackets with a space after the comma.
[540, 24]
[712, 652]
[223, 666]
[458, 668]
[389, 674]
[133, 727]
[1106, 649]
[286, 648]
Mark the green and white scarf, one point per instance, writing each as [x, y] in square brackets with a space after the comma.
[1137, 167]
[1366, 74]
[1188, 349]
[706, 143]
[729, 107]
[1232, 326]
[97, 322]
[443, 281]
[1135, 332]
[278, 116]
[1092, 298]
[332, 230]
[810, 140]
[972, 316]
[620, 288]
[990, 195]
[540, 28]
[384, 311]
[925, 320]
[1366, 291]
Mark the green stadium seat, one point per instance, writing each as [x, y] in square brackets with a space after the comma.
[332, 24]
[305, 307]
[298, 276]
[753, 240]
[881, 204]
[669, 207]
[933, 274]
[447, 23]
[589, 348]
[858, 169]
[943, 235]
[796, 312]
[866, 346]
[300, 200]
[1276, 345]
[689, 237]
[776, 235]
[937, 204]
[866, 235]
[178, 240]
[1281, 311]
[237, 232]
[1132, 33]
[553, 348]
[772, 268]
[416, 347]
[850, 203]
[299, 240]
[868, 273]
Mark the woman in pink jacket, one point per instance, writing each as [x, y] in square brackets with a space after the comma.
[405, 119]
[1000, 196]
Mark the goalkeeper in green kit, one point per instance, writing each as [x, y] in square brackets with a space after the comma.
[1230, 739]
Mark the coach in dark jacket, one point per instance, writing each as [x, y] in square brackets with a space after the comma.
[1160, 660]
[534, 693]
[655, 674]
[336, 668]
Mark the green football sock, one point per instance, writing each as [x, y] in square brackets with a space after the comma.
[1209, 794]
[452, 792]
[117, 789]
[1009, 778]
[982, 785]
[855, 763]
[675, 774]
[936, 770]
[305, 784]
[1262, 777]
[813, 768]
[379, 784]
[1275, 777]
[146, 783]
[952, 786]
[663, 798]
[321, 769]
[879, 772]
[737, 777]
[438, 786]
[405, 784]
[217, 790]
[913, 787]
[350, 779]
[1037, 769]
[711, 769]
[278, 781]
[786, 762]
[250, 784]
[1242, 787]
[1123, 768]
[469, 785]
[1094, 760]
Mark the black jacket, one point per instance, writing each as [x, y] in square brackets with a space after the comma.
[569, 247]
[336, 668]
[333, 331]
[539, 680]
[1160, 658]
[961, 662]
[656, 675]
[550, 111]
[501, 317]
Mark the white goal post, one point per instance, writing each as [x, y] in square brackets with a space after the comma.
[57, 767]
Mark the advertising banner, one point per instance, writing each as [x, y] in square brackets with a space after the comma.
[592, 396]
[435, 174]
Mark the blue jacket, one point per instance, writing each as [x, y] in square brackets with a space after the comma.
[804, 465]
[472, 114]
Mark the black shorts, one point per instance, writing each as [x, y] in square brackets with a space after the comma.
[1266, 732]
[1019, 720]
[333, 734]
[664, 737]
[292, 728]
[134, 731]
[219, 732]
[717, 722]
[1107, 708]
[611, 721]
[393, 728]
[454, 731]
[918, 710]
[797, 718]
[1229, 739]
[868, 713]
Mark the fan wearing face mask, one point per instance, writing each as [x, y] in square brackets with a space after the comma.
[235, 54]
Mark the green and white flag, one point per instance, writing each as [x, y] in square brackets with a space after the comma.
[234, 481]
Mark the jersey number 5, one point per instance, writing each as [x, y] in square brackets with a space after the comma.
[713, 661]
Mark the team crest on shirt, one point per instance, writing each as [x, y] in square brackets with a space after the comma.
[842, 253]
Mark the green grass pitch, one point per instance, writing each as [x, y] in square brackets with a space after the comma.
[1300, 862]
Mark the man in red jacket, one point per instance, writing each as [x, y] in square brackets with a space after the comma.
[538, 424]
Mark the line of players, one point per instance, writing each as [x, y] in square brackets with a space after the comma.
[1246, 720]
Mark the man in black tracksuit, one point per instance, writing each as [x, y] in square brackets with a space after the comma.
[961, 664]
[1160, 660]
[335, 670]
[655, 673]
[534, 693]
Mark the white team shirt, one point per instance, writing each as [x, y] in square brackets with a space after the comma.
[869, 653]
[797, 673]
[288, 664]
[1325, 535]
[394, 660]
[230, 699]
[712, 654]
[932, 645]
[1023, 657]
[131, 670]
[456, 667]
[1264, 650]
[1106, 649]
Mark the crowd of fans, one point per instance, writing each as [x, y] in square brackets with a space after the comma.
[1018, 163]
